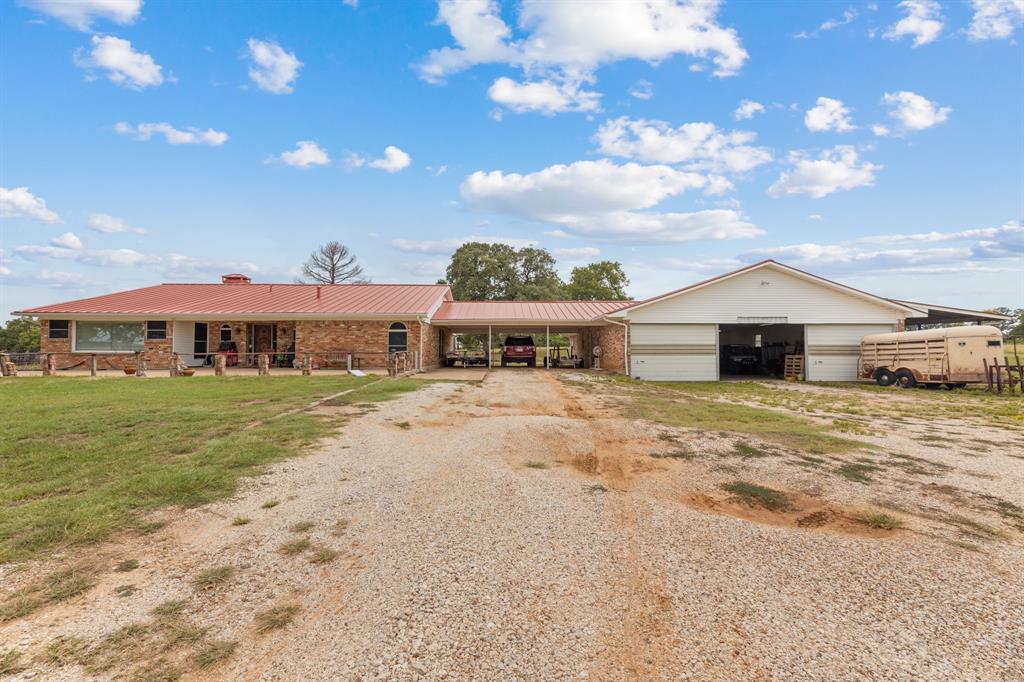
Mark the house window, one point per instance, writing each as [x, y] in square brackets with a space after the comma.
[225, 332]
[156, 331]
[398, 338]
[109, 336]
[58, 329]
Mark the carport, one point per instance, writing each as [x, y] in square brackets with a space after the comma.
[585, 322]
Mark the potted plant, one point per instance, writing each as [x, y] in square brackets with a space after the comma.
[129, 370]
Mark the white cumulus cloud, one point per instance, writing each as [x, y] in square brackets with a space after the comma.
[306, 153]
[829, 114]
[914, 112]
[575, 254]
[545, 96]
[747, 109]
[995, 19]
[394, 160]
[123, 64]
[273, 69]
[702, 146]
[21, 203]
[566, 46]
[68, 240]
[446, 246]
[108, 224]
[145, 131]
[80, 14]
[923, 21]
[604, 200]
[835, 169]
[642, 90]
[993, 249]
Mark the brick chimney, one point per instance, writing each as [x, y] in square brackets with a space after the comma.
[235, 278]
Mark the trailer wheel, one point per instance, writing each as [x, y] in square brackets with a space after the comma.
[885, 377]
[905, 378]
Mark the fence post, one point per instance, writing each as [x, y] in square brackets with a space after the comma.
[175, 368]
[140, 364]
[9, 368]
[348, 362]
[92, 365]
[47, 362]
[3, 364]
[307, 365]
[264, 364]
[219, 363]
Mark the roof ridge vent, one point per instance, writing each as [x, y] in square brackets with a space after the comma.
[235, 278]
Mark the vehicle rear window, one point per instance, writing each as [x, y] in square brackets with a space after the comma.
[519, 341]
[995, 342]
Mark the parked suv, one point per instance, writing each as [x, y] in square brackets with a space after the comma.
[519, 349]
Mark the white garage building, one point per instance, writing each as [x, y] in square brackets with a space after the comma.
[691, 334]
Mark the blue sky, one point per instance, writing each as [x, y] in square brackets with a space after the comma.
[881, 143]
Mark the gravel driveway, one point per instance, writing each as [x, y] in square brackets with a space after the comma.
[519, 529]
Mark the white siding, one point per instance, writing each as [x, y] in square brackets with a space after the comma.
[674, 352]
[673, 333]
[833, 349]
[766, 293]
[674, 367]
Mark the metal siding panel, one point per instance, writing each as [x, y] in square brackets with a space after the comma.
[833, 349]
[784, 295]
[674, 367]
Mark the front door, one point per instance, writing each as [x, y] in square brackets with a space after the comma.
[200, 343]
[263, 338]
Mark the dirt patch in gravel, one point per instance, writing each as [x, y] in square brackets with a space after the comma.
[805, 512]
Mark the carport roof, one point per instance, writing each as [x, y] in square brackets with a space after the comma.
[525, 311]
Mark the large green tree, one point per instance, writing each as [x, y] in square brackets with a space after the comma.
[1013, 326]
[538, 280]
[483, 272]
[499, 272]
[20, 335]
[601, 281]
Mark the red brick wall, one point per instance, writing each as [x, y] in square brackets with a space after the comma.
[156, 353]
[368, 339]
[610, 338]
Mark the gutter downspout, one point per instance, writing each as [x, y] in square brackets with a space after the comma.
[625, 344]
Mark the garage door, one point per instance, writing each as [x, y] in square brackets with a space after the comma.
[674, 352]
[833, 350]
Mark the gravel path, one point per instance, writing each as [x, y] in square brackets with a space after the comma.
[517, 529]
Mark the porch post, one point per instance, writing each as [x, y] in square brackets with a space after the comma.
[547, 342]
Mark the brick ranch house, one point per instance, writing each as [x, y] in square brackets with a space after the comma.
[700, 332]
[368, 321]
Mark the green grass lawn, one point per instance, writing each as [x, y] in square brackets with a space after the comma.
[81, 459]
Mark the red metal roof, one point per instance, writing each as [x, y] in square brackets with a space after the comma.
[259, 299]
[542, 311]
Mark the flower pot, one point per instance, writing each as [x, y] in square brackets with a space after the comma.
[129, 370]
[187, 372]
